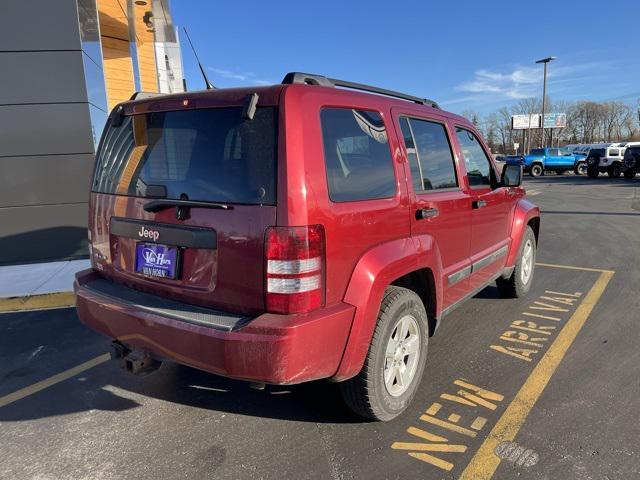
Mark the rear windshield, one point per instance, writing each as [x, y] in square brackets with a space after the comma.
[208, 155]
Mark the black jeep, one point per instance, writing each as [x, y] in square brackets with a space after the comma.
[631, 162]
[593, 161]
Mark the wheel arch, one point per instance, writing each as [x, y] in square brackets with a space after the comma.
[422, 282]
[526, 215]
[402, 262]
[534, 223]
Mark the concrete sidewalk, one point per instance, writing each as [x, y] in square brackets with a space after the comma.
[38, 285]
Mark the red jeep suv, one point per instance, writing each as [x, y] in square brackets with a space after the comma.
[313, 229]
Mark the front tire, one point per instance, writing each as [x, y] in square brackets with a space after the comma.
[519, 283]
[536, 170]
[397, 355]
[629, 174]
[592, 172]
[581, 168]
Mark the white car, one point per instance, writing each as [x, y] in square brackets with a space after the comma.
[607, 158]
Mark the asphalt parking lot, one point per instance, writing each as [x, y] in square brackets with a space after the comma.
[546, 387]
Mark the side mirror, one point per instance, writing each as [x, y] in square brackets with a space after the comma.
[511, 176]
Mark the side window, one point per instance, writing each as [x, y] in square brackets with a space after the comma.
[614, 152]
[479, 169]
[356, 155]
[554, 152]
[412, 154]
[430, 157]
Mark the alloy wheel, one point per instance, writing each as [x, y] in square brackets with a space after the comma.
[527, 262]
[401, 356]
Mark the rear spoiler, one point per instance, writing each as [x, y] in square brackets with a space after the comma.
[143, 95]
[117, 113]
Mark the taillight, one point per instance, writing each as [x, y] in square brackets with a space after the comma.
[294, 269]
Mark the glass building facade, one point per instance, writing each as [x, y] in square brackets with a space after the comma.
[66, 63]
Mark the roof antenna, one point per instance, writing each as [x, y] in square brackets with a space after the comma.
[210, 85]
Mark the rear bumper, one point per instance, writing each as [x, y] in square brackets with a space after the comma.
[276, 349]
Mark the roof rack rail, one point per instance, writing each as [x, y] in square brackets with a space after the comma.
[321, 80]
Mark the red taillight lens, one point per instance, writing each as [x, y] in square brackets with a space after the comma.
[294, 269]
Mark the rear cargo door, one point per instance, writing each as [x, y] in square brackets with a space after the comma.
[181, 201]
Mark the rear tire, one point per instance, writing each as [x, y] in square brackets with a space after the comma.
[374, 393]
[536, 170]
[592, 172]
[615, 170]
[629, 174]
[519, 283]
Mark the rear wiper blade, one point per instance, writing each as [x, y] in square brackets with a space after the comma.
[162, 204]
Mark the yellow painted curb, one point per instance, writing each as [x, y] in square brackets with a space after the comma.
[38, 302]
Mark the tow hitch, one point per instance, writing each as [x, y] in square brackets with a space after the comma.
[137, 362]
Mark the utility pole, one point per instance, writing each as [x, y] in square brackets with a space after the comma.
[544, 61]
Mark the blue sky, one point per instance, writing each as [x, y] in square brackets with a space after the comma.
[465, 54]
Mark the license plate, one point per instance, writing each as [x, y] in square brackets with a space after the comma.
[160, 261]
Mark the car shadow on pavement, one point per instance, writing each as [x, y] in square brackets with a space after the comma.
[37, 345]
[490, 292]
[108, 388]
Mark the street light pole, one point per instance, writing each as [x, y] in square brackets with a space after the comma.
[544, 61]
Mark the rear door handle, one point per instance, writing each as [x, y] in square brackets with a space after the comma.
[479, 203]
[423, 213]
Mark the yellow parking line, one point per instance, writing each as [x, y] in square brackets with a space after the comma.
[46, 383]
[484, 463]
[38, 302]
[570, 267]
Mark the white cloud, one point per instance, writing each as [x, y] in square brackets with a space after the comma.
[241, 76]
[479, 86]
[520, 82]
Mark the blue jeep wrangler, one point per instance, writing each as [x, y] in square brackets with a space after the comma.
[558, 160]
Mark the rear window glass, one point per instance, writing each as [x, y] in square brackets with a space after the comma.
[357, 155]
[207, 155]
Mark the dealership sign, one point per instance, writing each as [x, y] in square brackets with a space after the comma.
[524, 122]
[555, 120]
[551, 120]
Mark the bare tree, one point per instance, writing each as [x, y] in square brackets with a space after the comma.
[587, 122]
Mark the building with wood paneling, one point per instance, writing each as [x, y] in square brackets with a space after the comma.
[65, 65]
